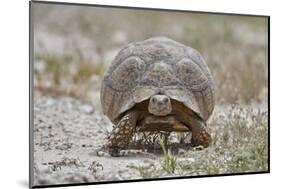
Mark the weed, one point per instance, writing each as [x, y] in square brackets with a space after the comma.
[170, 162]
[67, 162]
[95, 168]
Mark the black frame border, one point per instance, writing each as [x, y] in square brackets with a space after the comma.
[31, 101]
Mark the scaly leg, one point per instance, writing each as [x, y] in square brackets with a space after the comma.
[122, 133]
[197, 126]
[200, 136]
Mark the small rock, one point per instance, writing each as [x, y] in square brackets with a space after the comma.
[190, 159]
[102, 154]
[87, 109]
[65, 146]
[181, 151]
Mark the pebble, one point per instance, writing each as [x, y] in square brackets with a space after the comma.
[87, 109]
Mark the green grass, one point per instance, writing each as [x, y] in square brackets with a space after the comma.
[169, 162]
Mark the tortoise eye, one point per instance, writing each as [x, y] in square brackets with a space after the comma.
[165, 100]
[153, 99]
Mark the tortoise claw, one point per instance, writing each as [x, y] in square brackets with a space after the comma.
[114, 152]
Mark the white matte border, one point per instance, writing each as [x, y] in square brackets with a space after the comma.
[14, 92]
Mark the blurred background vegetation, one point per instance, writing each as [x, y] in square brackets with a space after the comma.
[73, 46]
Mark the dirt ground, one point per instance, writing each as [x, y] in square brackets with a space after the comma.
[68, 145]
[68, 148]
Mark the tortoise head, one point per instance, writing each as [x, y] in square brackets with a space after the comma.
[160, 105]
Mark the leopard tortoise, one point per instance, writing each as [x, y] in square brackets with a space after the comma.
[157, 85]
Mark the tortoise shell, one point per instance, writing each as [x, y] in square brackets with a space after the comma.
[157, 66]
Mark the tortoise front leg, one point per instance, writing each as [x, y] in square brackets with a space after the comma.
[122, 133]
[200, 136]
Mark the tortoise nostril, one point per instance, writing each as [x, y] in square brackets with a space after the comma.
[159, 103]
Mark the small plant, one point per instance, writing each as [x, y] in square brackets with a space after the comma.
[67, 162]
[95, 168]
[170, 162]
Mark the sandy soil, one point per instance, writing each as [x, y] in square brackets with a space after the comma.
[68, 141]
[69, 137]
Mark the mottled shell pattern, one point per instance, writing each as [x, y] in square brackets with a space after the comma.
[157, 66]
